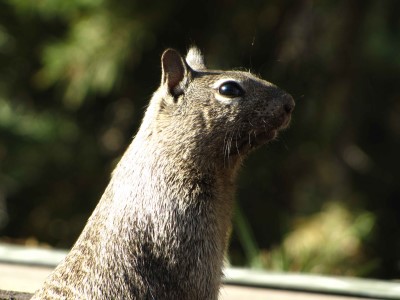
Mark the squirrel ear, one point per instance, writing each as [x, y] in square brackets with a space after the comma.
[195, 59]
[175, 72]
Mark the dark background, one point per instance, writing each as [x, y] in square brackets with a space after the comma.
[75, 77]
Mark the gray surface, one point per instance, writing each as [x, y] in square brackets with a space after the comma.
[28, 278]
[25, 268]
[11, 295]
[313, 283]
[31, 255]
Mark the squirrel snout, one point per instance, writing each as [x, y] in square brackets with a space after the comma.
[288, 103]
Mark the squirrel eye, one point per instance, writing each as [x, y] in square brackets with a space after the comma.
[231, 89]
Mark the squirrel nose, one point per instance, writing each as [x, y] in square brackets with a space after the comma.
[289, 104]
[288, 108]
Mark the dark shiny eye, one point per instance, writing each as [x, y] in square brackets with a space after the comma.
[231, 89]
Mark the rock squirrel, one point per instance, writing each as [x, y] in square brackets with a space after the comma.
[161, 227]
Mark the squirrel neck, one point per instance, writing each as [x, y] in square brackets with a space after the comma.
[156, 174]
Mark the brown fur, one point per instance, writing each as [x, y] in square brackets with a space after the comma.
[161, 227]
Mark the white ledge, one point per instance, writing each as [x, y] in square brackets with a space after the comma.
[330, 285]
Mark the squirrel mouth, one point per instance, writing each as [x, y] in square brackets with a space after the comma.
[253, 140]
[257, 137]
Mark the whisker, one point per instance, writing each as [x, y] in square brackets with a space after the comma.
[237, 138]
[225, 148]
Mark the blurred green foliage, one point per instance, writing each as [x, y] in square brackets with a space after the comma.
[330, 242]
[76, 75]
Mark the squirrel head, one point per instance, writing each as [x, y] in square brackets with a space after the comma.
[215, 112]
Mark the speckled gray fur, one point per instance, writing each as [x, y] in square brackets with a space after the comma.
[161, 227]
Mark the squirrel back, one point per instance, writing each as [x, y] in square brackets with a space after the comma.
[161, 227]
